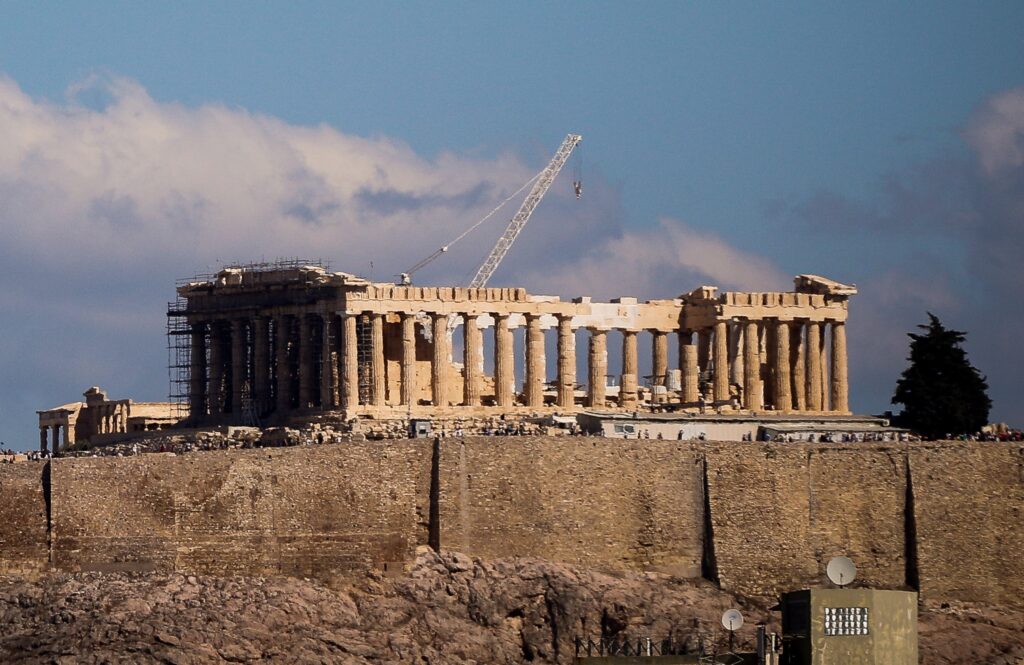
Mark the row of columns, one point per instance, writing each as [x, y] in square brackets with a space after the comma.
[109, 419]
[536, 363]
[276, 361]
[45, 438]
[784, 364]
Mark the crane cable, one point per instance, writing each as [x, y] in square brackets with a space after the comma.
[408, 273]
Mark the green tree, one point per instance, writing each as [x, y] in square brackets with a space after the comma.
[942, 394]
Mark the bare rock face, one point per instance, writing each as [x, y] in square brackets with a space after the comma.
[448, 609]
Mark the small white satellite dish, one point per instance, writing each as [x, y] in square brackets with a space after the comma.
[732, 619]
[841, 570]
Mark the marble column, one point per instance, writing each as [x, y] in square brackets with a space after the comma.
[798, 361]
[261, 363]
[379, 394]
[238, 365]
[628, 384]
[439, 362]
[56, 440]
[535, 374]
[328, 364]
[813, 358]
[684, 338]
[349, 363]
[472, 360]
[736, 353]
[823, 352]
[597, 368]
[703, 348]
[282, 339]
[783, 395]
[840, 390]
[752, 394]
[504, 363]
[659, 364]
[691, 373]
[43, 443]
[306, 369]
[408, 392]
[215, 373]
[197, 371]
[566, 363]
[721, 358]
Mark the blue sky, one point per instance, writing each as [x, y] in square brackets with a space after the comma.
[874, 144]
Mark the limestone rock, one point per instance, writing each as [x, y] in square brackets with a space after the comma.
[450, 608]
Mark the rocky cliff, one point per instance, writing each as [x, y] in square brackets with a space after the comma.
[448, 608]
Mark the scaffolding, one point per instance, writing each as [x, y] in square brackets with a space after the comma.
[179, 340]
[179, 353]
[268, 266]
[364, 352]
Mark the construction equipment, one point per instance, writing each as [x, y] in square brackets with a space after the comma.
[541, 183]
[515, 227]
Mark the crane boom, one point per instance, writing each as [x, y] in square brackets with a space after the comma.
[540, 187]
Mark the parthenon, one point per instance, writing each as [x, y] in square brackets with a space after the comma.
[283, 341]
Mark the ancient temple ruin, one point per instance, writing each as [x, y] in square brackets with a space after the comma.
[99, 419]
[270, 343]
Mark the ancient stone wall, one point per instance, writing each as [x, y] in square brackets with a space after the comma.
[595, 502]
[24, 547]
[969, 520]
[780, 512]
[316, 511]
[775, 512]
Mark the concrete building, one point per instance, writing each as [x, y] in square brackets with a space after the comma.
[849, 627]
[739, 426]
[289, 341]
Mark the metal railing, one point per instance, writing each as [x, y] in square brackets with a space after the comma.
[645, 647]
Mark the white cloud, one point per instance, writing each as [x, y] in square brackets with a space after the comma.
[139, 181]
[665, 261]
[139, 177]
[108, 196]
[996, 131]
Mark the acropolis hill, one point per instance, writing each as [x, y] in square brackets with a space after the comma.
[332, 355]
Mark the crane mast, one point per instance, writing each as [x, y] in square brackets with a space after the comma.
[540, 187]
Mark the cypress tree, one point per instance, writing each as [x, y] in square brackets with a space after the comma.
[942, 394]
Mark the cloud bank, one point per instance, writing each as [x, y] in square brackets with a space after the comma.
[108, 196]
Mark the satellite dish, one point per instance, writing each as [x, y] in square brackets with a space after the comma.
[732, 619]
[841, 570]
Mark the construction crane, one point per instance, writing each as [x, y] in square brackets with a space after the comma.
[541, 183]
[515, 227]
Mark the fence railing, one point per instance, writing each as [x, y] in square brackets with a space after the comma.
[698, 649]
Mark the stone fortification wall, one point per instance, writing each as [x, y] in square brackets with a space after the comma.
[758, 497]
[24, 546]
[587, 501]
[770, 518]
[780, 512]
[969, 519]
[310, 511]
